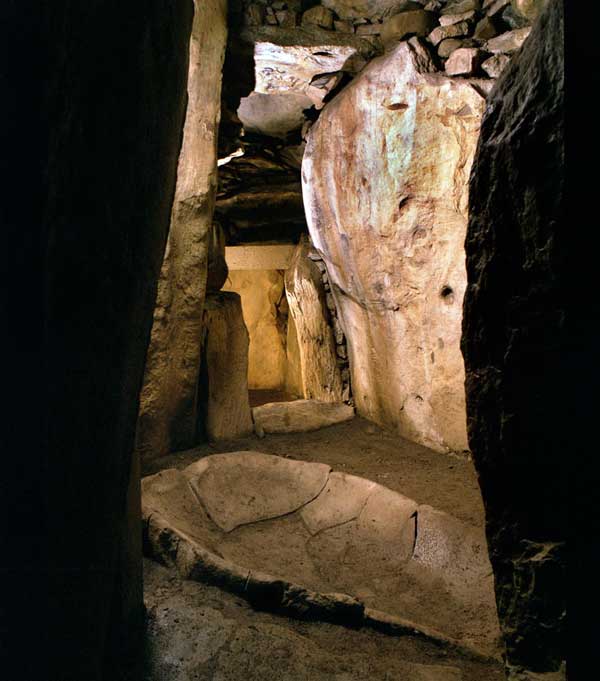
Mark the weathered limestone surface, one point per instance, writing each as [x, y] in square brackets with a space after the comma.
[321, 378]
[168, 409]
[519, 337]
[265, 313]
[387, 208]
[224, 409]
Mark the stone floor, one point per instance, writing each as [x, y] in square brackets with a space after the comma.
[200, 632]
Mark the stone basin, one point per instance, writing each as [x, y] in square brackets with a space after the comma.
[299, 538]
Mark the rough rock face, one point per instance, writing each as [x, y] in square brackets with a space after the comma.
[92, 116]
[387, 208]
[517, 339]
[167, 419]
[321, 379]
[224, 409]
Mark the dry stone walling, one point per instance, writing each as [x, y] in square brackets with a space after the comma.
[518, 343]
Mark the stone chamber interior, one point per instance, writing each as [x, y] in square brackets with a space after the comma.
[306, 318]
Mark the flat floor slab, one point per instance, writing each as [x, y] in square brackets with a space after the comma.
[294, 536]
[299, 416]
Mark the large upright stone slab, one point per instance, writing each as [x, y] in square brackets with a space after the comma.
[168, 409]
[522, 332]
[321, 377]
[224, 409]
[385, 178]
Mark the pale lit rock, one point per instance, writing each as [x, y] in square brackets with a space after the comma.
[508, 42]
[342, 500]
[276, 114]
[387, 210]
[495, 65]
[168, 417]
[464, 61]
[370, 9]
[223, 391]
[293, 68]
[293, 369]
[494, 7]
[321, 379]
[416, 22]
[263, 486]
[454, 30]
[448, 19]
[262, 293]
[300, 416]
[296, 536]
[461, 6]
[319, 16]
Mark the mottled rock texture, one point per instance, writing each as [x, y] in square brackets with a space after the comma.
[387, 208]
[321, 379]
[517, 326]
[95, 130]
[224, 409]
[168, 405]
[371, 9]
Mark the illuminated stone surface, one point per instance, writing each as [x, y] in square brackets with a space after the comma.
[299, 416]
[224, 409]
[263, 299]
[387, 209]
[295, 537]
[321, 377]
[168, 415]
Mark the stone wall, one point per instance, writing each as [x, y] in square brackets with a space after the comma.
[265, 312]
[168, 408]
[92, 113]
[521, 333]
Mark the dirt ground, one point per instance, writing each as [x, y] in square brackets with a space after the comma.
[200, 632]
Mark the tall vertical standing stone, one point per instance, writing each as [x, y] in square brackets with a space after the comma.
[320, 373]
[168, 409]
[520, 331]
[385, 182]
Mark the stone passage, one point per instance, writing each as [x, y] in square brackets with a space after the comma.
[319, 544]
